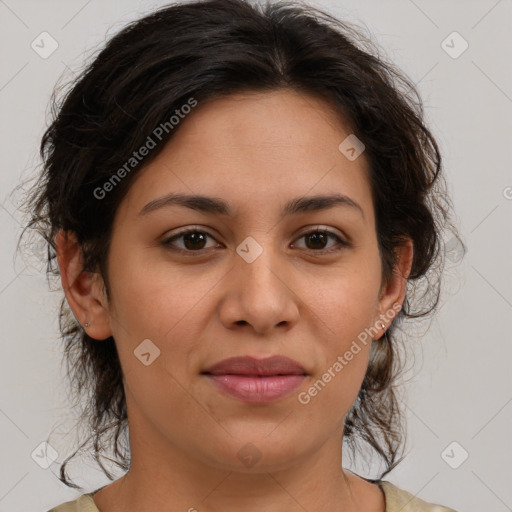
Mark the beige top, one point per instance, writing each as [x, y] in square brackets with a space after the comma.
[397, 500]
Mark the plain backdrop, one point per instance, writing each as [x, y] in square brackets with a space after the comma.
[459, 399]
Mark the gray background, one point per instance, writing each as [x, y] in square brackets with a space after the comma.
[460, 390]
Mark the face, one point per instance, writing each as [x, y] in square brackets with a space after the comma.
[255, 280]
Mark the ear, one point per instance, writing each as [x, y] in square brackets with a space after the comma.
[84, 290]
[392, 293]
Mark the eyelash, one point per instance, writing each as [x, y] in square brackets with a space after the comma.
[167, 242]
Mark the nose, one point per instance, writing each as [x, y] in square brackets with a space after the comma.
[259, 295]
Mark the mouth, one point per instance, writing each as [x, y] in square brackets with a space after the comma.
[255, 380]
[252, 366]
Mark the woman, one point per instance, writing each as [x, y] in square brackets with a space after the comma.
[241, 202]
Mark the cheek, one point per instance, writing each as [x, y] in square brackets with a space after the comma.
[346, 308]
[153, 297]
[163, 303]
[330, 395]
[346, 303]
[332, 391]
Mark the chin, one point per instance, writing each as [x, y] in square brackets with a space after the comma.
[246, 454]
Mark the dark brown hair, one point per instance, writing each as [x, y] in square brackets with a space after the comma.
[205, 50]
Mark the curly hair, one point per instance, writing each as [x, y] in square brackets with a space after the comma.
[207, 50]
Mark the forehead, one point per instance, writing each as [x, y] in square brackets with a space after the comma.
[256, 149]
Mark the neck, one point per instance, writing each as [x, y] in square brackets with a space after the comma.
[169, 478]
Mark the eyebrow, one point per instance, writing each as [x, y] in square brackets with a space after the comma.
[213, 205]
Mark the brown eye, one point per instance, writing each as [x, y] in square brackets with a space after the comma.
[193, 240]
[316, 241]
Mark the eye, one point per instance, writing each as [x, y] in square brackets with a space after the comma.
[194, 240]
[319, 237]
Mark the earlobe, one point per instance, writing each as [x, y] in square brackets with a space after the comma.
[83, 289]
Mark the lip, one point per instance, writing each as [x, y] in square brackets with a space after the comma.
[256, 380]
[248, 365]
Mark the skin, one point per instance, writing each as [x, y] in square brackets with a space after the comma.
[256, 151]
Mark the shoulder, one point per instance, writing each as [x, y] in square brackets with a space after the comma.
[403, 501]
[84, 503]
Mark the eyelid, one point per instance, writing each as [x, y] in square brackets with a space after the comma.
[343, 241]
[166, 241]
[321, 227]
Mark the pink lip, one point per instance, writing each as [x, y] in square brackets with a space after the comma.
[257, 389]
[257, 380]
[247, 365]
